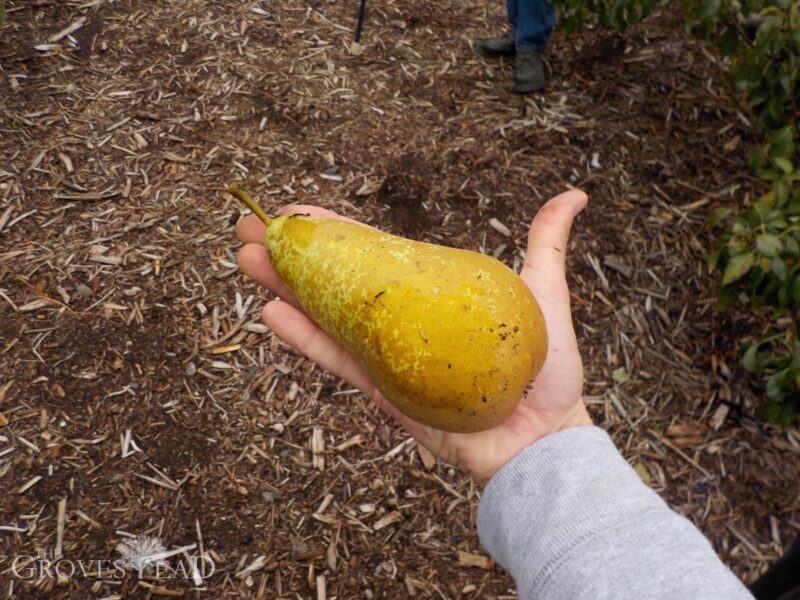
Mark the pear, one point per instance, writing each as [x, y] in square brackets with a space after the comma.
[450, 337]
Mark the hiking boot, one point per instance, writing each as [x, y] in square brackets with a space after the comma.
[528, 72]
[496, 47]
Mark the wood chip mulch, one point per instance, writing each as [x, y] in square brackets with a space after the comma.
[139, 393]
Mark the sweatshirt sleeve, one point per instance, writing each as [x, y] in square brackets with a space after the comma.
[570, 519]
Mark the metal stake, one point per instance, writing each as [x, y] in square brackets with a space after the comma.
[362, 7]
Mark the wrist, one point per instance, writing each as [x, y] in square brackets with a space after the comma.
[577, 416]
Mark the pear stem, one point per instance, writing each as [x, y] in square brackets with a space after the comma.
[242, 195]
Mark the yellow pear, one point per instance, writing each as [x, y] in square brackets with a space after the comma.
[450, 337]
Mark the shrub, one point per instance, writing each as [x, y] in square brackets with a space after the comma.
[756, 249]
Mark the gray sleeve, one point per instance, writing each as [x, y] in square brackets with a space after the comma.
[570, 519]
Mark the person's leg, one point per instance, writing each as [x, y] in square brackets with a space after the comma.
[512, 8]
[504, 45]
[534, 20]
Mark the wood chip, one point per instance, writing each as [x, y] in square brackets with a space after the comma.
[410, 587]
[259, 563]
[318, 449]
[616, 263]
[686, 430]
[369, 187]
[387, 520]
[327, 519]
[70, 29]
[353, 441]
[427, 458]
[718, 418]
[321, 592]
[158, 590]
[226, 349]
[469, 559]
[495, 224]
[29, 484]
[94, 524]
[60, 521]
[171, 156]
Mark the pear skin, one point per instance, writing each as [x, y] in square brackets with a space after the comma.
[450, 337]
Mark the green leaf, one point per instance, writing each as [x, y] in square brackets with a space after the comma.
[642, 472]
[777, 220]
[617, 16]
[769, 244]
[620, 375]
[763, 205]
[745, 72]
[769, 411]
[775, 108]
[781, 189]
[776, 389]
[784, 164]
[718, 215]
[737, 266]
[750, 358]
[793, 207]
[779, 268]
[739, 226]
[783, 297]
[792, 247]
[781, 143]
[727, 296]
[713, 258]
[771, 175]
[709, 8]
[758, 158]
[729, 41]
[788, 411]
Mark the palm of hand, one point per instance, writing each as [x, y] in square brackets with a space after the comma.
[553, 402]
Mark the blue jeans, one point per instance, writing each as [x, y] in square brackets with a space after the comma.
[532, 22]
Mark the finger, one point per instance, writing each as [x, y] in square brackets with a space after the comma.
[549, 232]
[250, 230]
[427, 436]
[305, 336]
[298, 330]
[314, 211]
[547, 248]
[254, 262]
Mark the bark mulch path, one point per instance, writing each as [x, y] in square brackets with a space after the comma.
[139, 393]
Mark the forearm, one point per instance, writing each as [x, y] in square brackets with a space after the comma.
[569, 518]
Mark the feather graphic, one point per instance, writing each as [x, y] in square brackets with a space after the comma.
[141, 552]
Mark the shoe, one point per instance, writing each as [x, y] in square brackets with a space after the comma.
[528, 72]
[496, 47]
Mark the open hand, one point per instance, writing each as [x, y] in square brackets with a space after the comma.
[552, 403]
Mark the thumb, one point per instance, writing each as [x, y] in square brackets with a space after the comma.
[547, 249]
